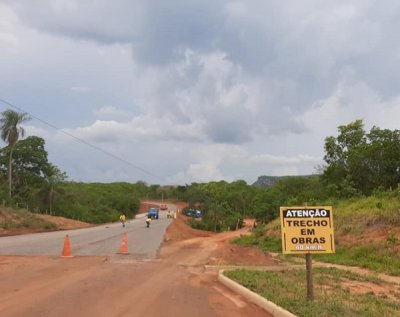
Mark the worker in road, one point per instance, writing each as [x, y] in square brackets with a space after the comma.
[148, 221]
[122, 218]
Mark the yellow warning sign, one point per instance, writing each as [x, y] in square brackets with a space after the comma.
[307, 229]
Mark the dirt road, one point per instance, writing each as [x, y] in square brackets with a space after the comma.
[173, 285]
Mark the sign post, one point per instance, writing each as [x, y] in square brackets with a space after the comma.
[307, 230]
[310, 283]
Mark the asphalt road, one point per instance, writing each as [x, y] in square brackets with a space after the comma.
[103, 240]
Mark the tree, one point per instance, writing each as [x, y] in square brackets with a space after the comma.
[10, 131]
[30, 163]
[359, 162]
[384, 157]
[53, 177]
[33, 175]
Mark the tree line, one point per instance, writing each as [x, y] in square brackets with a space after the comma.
[356, 163]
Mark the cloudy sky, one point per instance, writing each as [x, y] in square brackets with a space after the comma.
[182, 91]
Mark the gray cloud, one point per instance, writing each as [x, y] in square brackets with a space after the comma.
[308, 42]
[100, 21]
[259, 75]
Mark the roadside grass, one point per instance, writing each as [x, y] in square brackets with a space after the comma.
[377, 257]
[369, 230]
[19, 218]
[333, 296]
[357, 215]
[355, 218]
[257, 238]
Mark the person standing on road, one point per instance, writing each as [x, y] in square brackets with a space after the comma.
[122, 218]
[148, 221]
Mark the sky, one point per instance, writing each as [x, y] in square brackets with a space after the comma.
[183, 91]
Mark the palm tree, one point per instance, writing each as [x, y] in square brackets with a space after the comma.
[10, 132]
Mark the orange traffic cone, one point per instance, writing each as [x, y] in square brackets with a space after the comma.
[124, 244]
[66, 252]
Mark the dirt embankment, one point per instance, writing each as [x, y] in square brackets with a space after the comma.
[221, 250]
[17, 222]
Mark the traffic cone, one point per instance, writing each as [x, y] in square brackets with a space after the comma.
[124, 244]
[66, 252]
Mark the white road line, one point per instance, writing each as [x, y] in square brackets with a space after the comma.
[236, 301]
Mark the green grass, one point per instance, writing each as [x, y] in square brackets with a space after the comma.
[351, 218]
[20, 218]
[376, 257]
[258, 239]
[354, 218]
[332, 298]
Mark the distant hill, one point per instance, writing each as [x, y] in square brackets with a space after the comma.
[266, 181]
[269, 181]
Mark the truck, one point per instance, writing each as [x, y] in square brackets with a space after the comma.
[153, 213]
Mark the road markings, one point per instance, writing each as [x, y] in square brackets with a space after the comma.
[236, 301]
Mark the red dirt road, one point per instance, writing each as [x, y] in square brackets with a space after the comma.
[175, 285]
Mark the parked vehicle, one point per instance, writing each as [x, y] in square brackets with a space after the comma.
[153, 213]
[195, 213]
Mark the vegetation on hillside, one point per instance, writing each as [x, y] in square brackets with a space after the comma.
[366, 230]
[96, 202]
[11, 219]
